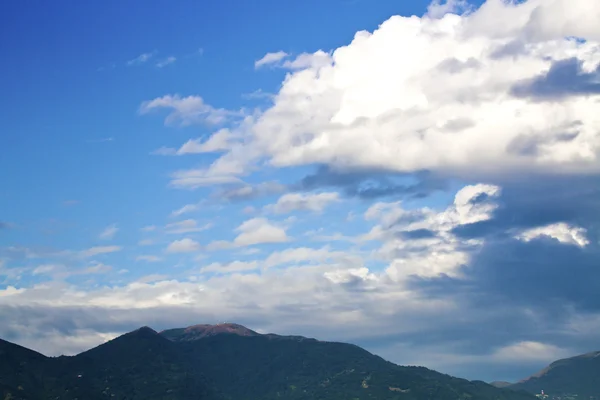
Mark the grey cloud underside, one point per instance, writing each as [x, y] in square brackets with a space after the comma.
[564, 78]
[552, 277]
[372, 184]
[541, 200]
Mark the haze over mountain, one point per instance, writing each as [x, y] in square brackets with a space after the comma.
[418, 177]
[226, 361]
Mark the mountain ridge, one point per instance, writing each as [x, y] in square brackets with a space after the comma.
[572, 375]
[227, 362]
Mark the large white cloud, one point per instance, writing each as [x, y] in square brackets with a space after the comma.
[440, 94]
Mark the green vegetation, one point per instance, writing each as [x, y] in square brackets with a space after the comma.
[143, 365]
[575, 377]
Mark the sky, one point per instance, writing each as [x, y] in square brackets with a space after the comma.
[421, 179]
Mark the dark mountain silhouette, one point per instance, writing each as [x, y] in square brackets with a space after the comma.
[576, 375]
[139, 365]
[226, 362]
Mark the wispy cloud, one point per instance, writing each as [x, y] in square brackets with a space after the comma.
[188, 110]
[166, 61]
[185, 245]
[185, 209]
[141, 59]
[270, 58]
[108, 67]
[148, 258]
[109, 232]
[94, 251]
[186, 226]
[102, 140]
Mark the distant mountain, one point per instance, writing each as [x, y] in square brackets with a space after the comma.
[226, 362]
[576, 375]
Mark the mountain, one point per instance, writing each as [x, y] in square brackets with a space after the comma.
[254, 366]
[139, 365]
[225, 362]
[500, 384]
[576, 375]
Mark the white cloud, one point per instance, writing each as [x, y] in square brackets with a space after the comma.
[149, 228]
[94, 251]
[300, 255]
[187, 110]
[148, 258]
[350, 275]
[420, 242]
[188, 208]
[109, 232]
[46, 269]
[527, 351]
[166, 61]
[270, 58]
[146, 242]
[219, 245]
[451, 107]
[235, 266]
[94, 268]
[439, 8]
[315, 202]
[141, 59]
[186, 226]
[195, 178]
[219, 141]
[185, 245]
[561, 231]
[259, 230]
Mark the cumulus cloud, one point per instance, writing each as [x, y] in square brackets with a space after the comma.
[561, 231]
[422, 242]
[315, 202]
[454, 106]
[109, 232]
[185, 245]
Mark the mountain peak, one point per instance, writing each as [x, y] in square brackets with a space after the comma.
[145, 330]
[200, 331]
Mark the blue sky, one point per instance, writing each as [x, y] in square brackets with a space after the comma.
[311, 168]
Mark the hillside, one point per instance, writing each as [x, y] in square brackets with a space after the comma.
[140, 365]
[225, 362]
[576, 375]
[245, 364]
